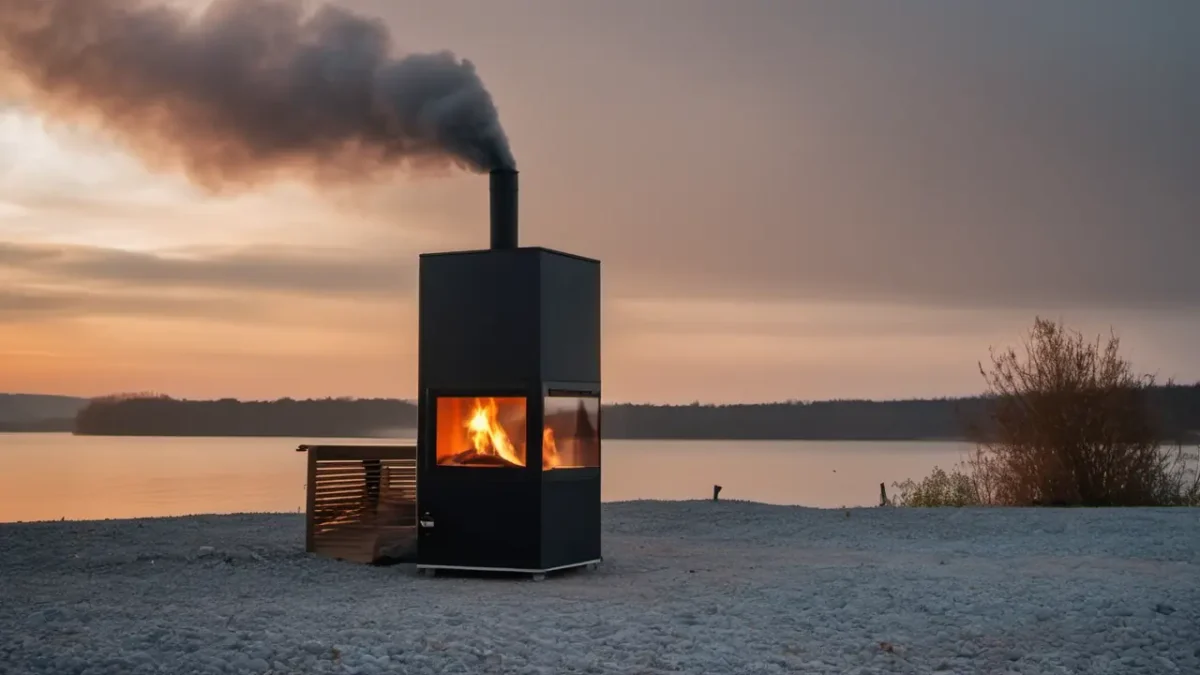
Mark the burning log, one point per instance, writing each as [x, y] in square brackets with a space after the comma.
[473, 457]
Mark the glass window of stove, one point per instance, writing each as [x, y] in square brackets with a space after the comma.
[571, 433]
[481, 431]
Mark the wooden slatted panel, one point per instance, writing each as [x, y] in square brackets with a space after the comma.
[362, 501]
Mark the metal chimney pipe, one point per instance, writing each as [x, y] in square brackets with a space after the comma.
[504, 208]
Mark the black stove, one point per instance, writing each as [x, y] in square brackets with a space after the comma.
[509, 409]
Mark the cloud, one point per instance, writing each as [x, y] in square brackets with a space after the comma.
[25, 305]
[297, 271]
[266, 286]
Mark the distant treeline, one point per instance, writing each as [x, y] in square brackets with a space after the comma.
[145, 415]
[1176, 407]
[22, 411]
[823, 420]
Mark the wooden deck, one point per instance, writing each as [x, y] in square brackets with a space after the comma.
[362, 502]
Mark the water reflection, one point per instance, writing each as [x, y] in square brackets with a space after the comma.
[53, 476]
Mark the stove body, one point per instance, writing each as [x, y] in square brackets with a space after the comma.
[509, 407]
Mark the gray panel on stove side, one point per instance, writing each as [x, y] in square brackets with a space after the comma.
[570, 526]
[570, 313]
[479, 319]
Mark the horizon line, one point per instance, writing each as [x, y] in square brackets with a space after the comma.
[413, 401]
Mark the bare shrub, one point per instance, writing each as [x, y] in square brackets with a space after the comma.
[1067, 425]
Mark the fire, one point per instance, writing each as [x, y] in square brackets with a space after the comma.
[480, 431]
[550, 457]
[488, 437]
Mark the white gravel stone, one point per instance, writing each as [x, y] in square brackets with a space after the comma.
[693, 587]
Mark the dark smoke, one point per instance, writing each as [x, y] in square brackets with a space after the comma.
[248, 90]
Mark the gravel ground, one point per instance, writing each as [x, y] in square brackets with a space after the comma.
[691, 587]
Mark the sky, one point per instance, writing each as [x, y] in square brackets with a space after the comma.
[791, 200]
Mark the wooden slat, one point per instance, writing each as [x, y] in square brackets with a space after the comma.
[340, 502]
[340, 490]
[357, 509]
[347, 515]
[358, 452]
[342, 505]
[342, 464]
[358, 463]
[328, 492]
[349, 472]
[355, 498]
[340, 486]
[333, 492]
[342, 510]
[349, 491]
[386, 515]
[339, 483]
[359, 475]
[351, 463]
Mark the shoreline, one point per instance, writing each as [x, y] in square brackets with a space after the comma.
[656, 503]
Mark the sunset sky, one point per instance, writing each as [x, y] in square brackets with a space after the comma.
[792, 200]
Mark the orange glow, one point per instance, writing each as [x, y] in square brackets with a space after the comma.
[480, 431]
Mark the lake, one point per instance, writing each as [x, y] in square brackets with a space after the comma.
[53, 476]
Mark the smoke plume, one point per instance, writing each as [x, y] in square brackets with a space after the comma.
[249, 90]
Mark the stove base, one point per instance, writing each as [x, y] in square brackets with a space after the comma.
[538, 574]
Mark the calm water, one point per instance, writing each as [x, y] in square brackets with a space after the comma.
[52, 476]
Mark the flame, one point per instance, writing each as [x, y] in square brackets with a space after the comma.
[550, 457]
[488, 437]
